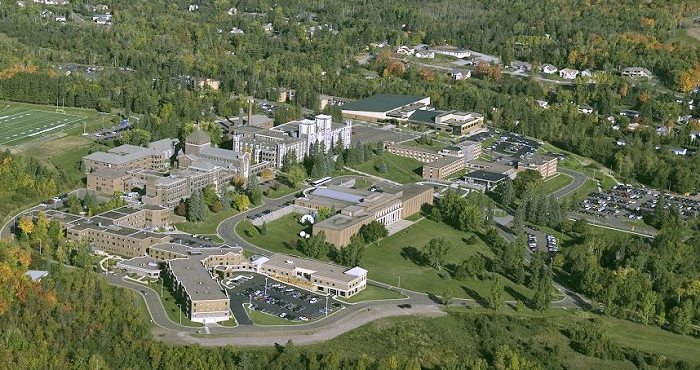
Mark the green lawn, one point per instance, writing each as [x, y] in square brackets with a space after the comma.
[281, 234]
[577, 195]
[260, 318]
[400, 169]
[386, 262]
[557, 182]
[362, 183]
[207, 227]
[372, 293]
[283, 188]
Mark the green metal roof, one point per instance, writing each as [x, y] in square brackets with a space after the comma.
[426, 116]
[382, 102]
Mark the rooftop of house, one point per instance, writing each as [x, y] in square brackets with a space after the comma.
[318, 269]
[382, 103]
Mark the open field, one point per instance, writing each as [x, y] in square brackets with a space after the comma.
[400, 169]
[455, 336]
[372, 293]
[557, 182]
[21, 122]
[390, 259]
[280, 237]
[209, 225]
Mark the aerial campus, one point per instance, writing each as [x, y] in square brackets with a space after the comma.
[400, 198]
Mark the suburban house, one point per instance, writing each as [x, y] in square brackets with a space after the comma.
[679, 151]
[521, 66]
[636, 72]
[427, 54]
[568, 74]
[548, 69]
[405, 50]
[585, 109]
[460, 75]
[452, 51]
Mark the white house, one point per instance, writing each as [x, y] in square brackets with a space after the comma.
[405, 50]
[568, 74]
[620, 142]
[636, 72]
[586, 73]
[548, 69]
[232, 11]
[193, 7]
[268, 28]
[236, 31]
[460, 75]
[452, 51]
[428, 54]
[662, 131]
[585, 109]
[61, 19]
[542, 103]
[679, 151]
[694, 135]
[521, 66]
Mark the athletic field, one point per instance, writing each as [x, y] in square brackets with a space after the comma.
[20, 124]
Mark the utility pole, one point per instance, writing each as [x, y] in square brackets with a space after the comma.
[399, 286]
[180, 309]
[326, 306]
[265, 286]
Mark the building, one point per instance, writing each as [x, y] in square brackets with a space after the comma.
[321, 129]
[450, 122]
[108, 181]
[419, 154]
[568, 73]
[427, 54]
[548, 69]
[521, 66]
[459, 75]
[443, 167]
[37, 275]
[585, 109]
[451, 51]
[636, 72]
[209, 83]
[385, 107]
[142, 266]
[360, 207]
[156, 156]
[285, 95]
[485, 180]
[545, 165]
[471, 150]
[405, 50]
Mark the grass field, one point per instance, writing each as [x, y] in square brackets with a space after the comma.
[400, 169]
[21, 122]
[281, 233]
[209, 225]
[372, 293]
[557, 182]
[389, 260]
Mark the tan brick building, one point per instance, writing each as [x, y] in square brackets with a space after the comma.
[443, 167]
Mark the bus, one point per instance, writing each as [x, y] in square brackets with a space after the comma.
[321, 181]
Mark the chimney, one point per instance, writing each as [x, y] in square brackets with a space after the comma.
[250, 110]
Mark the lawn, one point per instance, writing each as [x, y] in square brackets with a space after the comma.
[391, 259]
[400, 169]
[372, 293]
[260, 318]
[22, 122]
[557, 182]
[577, 195]
[208, 226]
[281, 234]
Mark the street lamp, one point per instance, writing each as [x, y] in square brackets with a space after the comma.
[399, 286]
[180, 309]
[326, 306]
[265, 286]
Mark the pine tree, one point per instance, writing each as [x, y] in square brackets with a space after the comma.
[196, 209]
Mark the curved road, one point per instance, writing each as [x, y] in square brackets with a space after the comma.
[578, 180]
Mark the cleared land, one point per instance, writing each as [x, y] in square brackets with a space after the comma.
[280, 237]
[21, 123]
[400, 169]
[391, 258]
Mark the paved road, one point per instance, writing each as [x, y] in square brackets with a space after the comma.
[578, 180]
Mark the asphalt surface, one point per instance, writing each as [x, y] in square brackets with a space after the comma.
[578, 180]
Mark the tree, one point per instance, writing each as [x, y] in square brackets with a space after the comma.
[240, 201]
[380, 166]
[288, 160]
[136, 136]
[217, 206]
[296, 175]
[506, 192]
[25, 226]
[373, 231]
[315, 246]
[181, 208]
[196, 208]
[681, 317]
[351, 255]
[209, 193]
[526, 180]
[380, 148]
[254, 192]
[263, 228]
[496, 293]
[435, 252]
[267, 174]
[447, 297]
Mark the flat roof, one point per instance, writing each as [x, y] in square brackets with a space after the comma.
[196, 280]
[382, 103]
[320, 269]
[426, 116]
[444, 161]
[340, 221]
[109, 173]
[486, 176]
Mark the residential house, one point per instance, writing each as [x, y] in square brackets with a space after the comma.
[585, 109]
[405, 50]
[428, 54]
[636, 72]
[548, 69]
[452, 51]
[521, 66]
[679, 151]
[460, 75]
[569, 74]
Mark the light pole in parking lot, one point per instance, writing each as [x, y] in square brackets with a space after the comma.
[399, 286]
[265, 286]
[180, 309]
[326, 306]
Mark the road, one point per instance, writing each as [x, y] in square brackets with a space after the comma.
[578, 180]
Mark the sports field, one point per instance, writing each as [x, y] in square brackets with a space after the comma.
[20, 123]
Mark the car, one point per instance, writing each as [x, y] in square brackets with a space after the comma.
[288, 290]
[303, 318]
[405, 305]
[313, 300]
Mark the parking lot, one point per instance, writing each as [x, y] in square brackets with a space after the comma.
[278, 299]
[626, 202]
[514, 145]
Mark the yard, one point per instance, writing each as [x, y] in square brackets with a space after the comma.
[280, 237]
[372, 293]
[207, 227]
[400, 169]
[391, 258]
[557, 182]
[170, 305]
